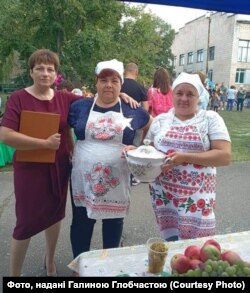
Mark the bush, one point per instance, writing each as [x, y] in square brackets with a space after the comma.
[4, 99]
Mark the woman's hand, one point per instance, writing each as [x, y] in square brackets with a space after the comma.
[167, 165]
[127, 99]
[53, 141]
[126, 149]
[172, 160]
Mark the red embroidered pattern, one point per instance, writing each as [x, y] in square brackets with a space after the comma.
[104, 129]
[188, 227]
[101, 179]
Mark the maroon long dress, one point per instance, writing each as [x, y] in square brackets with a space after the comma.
[40, 188]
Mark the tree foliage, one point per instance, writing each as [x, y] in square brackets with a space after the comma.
[83, 33]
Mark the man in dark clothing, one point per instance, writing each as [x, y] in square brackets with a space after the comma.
[139, 93]
[133, 88]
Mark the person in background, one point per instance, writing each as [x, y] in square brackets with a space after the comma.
[195, 142]
[204, 96]
[217, 88]
[210, 85]
[100, 176]
[132, 87]
[84, 90]
[77, 92]
[160, 95]
[65, 85]
[241, 95]
[215, 101]
[87, 93]
[138, 92]
[248, 99]
[223, 95]
[40, 188]
[231, 96]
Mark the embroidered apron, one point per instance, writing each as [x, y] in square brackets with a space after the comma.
[100, 177]
[184, 199]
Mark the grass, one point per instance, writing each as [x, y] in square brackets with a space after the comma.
[238, 124]
[4, 98]
[6, 168]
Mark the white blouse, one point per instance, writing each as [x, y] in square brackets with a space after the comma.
[210, 124]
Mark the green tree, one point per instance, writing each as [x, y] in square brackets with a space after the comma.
[83, 33]
[146, 40]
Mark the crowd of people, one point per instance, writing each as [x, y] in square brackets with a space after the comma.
[112, 121]
[222, 98]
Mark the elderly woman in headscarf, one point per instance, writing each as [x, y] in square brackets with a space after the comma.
[196, 142]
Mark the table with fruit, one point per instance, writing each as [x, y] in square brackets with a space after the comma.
[220, 255]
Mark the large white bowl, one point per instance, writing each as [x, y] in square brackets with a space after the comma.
[145, 163]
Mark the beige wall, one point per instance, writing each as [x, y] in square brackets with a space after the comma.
[225, 32]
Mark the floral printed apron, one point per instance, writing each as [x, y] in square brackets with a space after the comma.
[100, 177]
[184, 199]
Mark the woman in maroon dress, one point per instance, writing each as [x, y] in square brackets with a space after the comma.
[40, 188]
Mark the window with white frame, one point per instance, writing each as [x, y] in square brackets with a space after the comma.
[244, 51]
[240, 75]
[182, 59]
[190, 59]
[200, 55]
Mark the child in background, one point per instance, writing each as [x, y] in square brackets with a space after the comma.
[215, 101]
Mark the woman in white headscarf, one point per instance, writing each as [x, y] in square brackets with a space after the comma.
[196, 141]
[100, 177]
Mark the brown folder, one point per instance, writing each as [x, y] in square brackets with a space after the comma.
[39, 125]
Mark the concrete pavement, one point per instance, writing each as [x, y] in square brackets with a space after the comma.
[232, 211]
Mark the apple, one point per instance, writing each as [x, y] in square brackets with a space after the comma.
[231, 257]
[180, 263]
[213, 242]
[196, 263]
[209, 251]
[192, 252]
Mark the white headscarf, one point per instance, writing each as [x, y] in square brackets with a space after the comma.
[113, 64]
[192, 79]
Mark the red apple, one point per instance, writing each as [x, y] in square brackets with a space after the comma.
[180, 263]
[209, 251]
[192, 252]
[213, 242]
[231, 257]
[196, 263]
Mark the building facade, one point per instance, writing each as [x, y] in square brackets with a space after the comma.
[217, 44]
